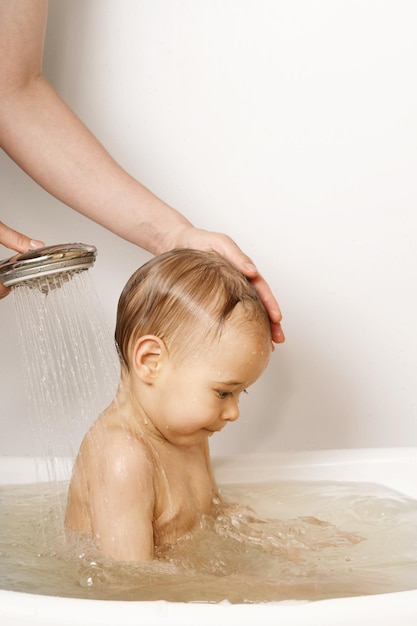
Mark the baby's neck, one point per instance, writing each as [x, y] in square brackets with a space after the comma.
[130, 414]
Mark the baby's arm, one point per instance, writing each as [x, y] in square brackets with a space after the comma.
[122, 501]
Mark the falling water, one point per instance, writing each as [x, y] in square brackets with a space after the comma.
[69, 360]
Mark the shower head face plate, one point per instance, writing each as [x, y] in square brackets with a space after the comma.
[52, 260]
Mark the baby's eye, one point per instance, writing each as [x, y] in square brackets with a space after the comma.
[224, 394]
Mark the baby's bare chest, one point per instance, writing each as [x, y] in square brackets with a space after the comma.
[184, 492]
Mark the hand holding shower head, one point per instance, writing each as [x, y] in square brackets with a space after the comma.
[41, 267]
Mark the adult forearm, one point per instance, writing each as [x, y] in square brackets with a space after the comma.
[41, 133]
[44, 137]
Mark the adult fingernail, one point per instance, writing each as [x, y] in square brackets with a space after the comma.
[278, 335]
[36, 244]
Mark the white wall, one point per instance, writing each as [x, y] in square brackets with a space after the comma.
[291, 126]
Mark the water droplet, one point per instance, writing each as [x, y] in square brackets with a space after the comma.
[93, 576]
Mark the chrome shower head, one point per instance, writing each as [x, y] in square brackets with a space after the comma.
[40, 267]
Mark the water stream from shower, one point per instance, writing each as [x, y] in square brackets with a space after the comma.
[70, 366]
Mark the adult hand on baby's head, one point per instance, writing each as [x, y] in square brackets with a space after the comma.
[14, 240]
[190, 237]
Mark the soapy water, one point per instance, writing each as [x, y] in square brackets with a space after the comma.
[284, 540]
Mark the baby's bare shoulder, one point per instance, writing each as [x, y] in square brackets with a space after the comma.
[116, 453]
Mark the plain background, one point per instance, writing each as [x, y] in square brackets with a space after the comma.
[292, 127]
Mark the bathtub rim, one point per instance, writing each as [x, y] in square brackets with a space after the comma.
[45, 609]
[351, 464]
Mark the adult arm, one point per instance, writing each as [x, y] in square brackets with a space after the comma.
[52, 145]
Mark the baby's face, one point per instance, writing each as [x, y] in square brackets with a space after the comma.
[199, 395]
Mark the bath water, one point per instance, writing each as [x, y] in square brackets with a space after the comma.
[307, 540]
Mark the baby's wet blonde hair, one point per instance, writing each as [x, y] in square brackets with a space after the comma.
[184, 297]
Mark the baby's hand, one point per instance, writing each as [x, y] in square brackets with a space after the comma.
[335, 537]
[291, 539]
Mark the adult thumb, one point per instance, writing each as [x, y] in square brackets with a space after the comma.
[14, 240]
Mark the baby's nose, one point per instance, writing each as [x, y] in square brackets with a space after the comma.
[231, 412]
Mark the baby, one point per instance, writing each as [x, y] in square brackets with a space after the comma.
[192, 335]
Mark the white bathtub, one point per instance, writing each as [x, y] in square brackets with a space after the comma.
[395, 468]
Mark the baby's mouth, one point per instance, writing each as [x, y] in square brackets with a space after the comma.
[212, 431]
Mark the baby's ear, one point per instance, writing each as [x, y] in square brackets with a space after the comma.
[148, 354]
